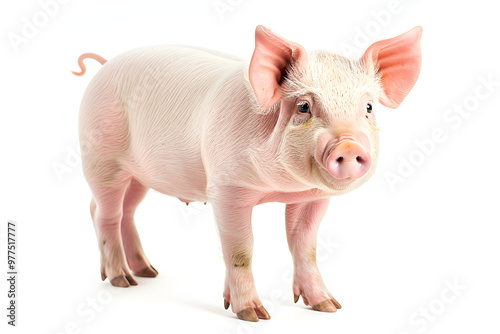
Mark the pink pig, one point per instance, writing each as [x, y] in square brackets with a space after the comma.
[291, 126]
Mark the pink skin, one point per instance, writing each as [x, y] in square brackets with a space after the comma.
[236, 135]
[136, 258]
[117, 236]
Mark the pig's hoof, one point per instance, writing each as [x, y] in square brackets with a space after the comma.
[253, 314]
[262, 313]
[123, 281]
[328, 305]
[250, 313]
[147, 272]
[336, 303]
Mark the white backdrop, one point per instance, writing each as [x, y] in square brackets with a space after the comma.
[415, 250]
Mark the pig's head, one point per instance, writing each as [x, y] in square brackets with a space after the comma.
[324, 103]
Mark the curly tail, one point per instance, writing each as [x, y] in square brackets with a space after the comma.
[88, 55]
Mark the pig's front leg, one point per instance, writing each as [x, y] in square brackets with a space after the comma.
[233, 212]
[302, 222]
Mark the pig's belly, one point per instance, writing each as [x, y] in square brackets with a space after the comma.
[173, 172]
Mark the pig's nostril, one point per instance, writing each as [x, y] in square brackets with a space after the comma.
[339, 159]
[359, 159]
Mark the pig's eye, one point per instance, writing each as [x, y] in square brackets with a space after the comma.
[304, 107]
[369, 108]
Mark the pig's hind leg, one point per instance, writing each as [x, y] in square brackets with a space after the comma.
[136, 258]
[107, 213]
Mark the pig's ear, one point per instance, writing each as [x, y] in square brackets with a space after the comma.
[398, 61]
[272, 55]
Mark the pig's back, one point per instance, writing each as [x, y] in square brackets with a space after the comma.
[165, 95]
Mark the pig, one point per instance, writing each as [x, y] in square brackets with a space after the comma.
[290, 126]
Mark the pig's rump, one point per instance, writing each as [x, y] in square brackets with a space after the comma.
[143, 115]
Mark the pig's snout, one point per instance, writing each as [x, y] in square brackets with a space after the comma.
[348, 160]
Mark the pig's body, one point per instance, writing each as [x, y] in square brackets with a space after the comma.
[290, 126]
